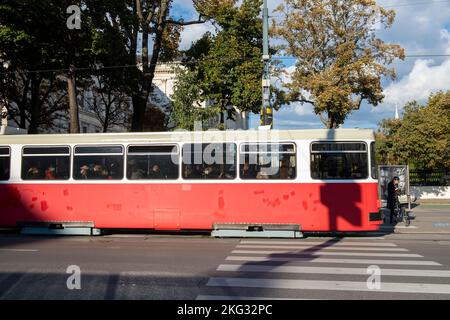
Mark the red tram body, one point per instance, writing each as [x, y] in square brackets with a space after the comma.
[329, 181]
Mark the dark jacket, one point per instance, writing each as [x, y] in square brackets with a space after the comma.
[392, 194]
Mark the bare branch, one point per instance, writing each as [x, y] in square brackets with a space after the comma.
[187, 23]
[302, 101]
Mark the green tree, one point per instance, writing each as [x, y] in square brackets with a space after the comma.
[36, 42]
[340, 61]
[187, 103]
[386, 153]
[225, 69]
[422, 137]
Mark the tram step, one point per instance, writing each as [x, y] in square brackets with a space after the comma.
[56, 224]
[244, 230]
[61, 232]
[73, 228]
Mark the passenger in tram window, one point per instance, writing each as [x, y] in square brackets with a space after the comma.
[197, 173]
[33, 173]
[284, 170]
[222, 172]
[98, 172]
[248, 171]
[227, 173]
[262, 175]
[245, 172]
[106, 175]
[215, 171]
[187, 173]
[136, 172]
[50, 173]
[356, 171]
[208, 172]
[84, 172]
[156, 172]
[115, 170]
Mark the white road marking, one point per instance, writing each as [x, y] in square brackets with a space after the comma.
[19, 250]
[326, 260]
[312, 243]
[155, 273]
[328, 285]
[211, 297]
[397, 227]
[330, 270]
[323, 253]
[322, 248]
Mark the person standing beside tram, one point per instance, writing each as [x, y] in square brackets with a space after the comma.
[392, 199]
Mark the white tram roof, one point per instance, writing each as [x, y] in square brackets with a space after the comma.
[184, 136]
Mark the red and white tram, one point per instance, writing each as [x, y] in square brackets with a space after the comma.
[318, 180]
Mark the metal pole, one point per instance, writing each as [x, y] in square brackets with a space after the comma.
[266, 112]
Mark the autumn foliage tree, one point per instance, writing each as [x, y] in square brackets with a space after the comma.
[340, 60]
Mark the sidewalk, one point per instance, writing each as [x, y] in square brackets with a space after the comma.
[433, 202]
[432, 217]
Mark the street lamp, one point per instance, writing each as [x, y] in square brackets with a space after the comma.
[266, 112]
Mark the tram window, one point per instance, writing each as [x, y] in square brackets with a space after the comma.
[338, 146]
[152, 162]
[45, 150]
[5, 163]
[98, 163]
[99, 150]
[373, 161]
[45, 163]
[210, 161]
[268, 161]
[339, 161]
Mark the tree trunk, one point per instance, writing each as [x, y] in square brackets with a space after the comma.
[74, 124]
[331, 122]
[140, 102]
[34, 105]
[107, 116]
[137, 122]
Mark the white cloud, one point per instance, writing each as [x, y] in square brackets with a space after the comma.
[424, 79]
[193, 33]
[297, 108]
[445, 35]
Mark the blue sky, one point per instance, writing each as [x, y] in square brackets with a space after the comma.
[422, 27]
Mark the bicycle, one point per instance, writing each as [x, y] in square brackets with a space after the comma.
[401, 215]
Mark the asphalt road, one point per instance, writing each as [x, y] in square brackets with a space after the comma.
[412, 266]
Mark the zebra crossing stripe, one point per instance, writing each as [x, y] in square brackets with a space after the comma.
[313, 243]
[331, 270]
[19, 250]
[212, 297]
[322, 247]
[312, 259]
[328, 285]
[323, 253]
